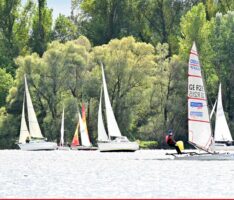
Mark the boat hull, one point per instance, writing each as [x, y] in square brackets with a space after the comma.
[218, 156]
[223, 147]
[112, 146]
[84, 148]
[38, 146]
[63, 148]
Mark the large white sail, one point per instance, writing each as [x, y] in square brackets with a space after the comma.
[102, 136]
[34, 128]
[222, 132]
[112, 126]
[83, 134]
[199, 126]
[23, 128]
[62, 130]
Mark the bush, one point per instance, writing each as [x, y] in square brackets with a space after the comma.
[147, 144]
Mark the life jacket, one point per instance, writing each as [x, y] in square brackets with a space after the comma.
[169, 140]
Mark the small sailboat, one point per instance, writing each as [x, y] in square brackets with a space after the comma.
[32, 139]
[222, 135]
[61, 143]
[85, 141]
[199, 126]
[114, 141]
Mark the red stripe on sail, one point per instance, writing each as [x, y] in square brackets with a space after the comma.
[194, 53]
[196, 76]
[197, 98]
[195, 120]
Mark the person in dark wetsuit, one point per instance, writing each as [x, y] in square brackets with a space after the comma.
[171, 142]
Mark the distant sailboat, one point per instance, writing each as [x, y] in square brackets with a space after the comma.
[114, 141]
[61, 143]
[32, 139]
[85, 141]
[222, 135]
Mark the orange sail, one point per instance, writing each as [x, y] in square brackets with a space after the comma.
[84, 119]
[75, 141]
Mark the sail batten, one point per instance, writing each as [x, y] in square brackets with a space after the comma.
[222, 132]
[112, 126]
[200, 132]
[34, 127]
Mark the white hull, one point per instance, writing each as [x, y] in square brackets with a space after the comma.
[207, 156]
[117, 146]
[38, 146]
[63, 148]
[84, 148]
[223, 147]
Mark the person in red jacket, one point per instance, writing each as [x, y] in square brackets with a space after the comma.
[171, 142]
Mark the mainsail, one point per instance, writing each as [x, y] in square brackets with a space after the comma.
[102, 136]
[62, 130]
[23, 128]
[75, 141]
[85, 124]
[83, 134]
[34, 128]
[222, 132]
[199, 127]
[112, 126]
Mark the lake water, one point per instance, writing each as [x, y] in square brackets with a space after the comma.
[83, 174]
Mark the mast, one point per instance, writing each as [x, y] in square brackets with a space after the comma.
[24, 133]
[62, 130]
[102, 136]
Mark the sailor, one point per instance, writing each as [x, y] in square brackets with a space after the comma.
[171, 142]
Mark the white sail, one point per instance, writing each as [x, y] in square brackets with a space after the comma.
[83, 134]
[102, 136]
[112, 126]
[23, 128]
[199, 126]
[34, 128]
[62, 130]
[222, 132]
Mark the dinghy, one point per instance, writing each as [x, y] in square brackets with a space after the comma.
[114, 141]
[32, 139]
[222, 135]
[61, 143]
[85, 141]
[199, 126]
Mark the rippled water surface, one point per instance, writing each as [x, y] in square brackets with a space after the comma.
[83, 174]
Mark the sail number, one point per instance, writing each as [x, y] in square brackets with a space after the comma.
[196, 91]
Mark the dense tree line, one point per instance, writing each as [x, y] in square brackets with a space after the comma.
[144, 46]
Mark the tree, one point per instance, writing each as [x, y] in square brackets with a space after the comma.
[41, 31]
[6, 82]
[14, 28]
[64, 29]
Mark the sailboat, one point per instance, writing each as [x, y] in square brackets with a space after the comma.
[199, 126]
[32, 139]
[61, 143]
[114, 141]
[85, 141]
[222, 135]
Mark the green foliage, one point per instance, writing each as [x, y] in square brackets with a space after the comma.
[147, 144]
[41, 28]
[6, 82]
[64, 29]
